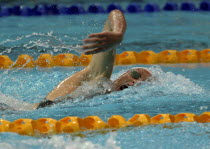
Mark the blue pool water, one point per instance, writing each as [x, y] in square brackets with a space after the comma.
[176, 89]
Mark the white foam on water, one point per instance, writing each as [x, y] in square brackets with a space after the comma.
[42, 40]
[10, 103]
[164, 82]
[172, 83]
[93, 88]
[59, 142]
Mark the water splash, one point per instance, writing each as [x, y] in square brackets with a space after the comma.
[42, 42]
[172, 83]
[92, 88]
[10, 103]
[167, 82]
[64, 142]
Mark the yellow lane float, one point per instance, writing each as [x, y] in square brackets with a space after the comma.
[203, 118]
[45, 60]
[4, 125]
[117, 121]
[147, 57]
[185, 117]
[25, 61]
[22, 127]
[188, 56]
[204, 55]
[70, 124]
[162, 119]
[93, 123]
[125, 58]
[65, 59]
[168, 56]
[139, 119]
[45, 126]
[5, 62]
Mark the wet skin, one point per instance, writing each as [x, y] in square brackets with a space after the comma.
[130, 78]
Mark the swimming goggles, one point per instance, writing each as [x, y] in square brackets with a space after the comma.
[135, 74]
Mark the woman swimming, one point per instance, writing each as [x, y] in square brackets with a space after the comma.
[97, 73]
[102, 45]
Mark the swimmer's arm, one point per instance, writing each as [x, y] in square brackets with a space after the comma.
[64, 88]
[68, 85]
[101, 64]
[104, 45]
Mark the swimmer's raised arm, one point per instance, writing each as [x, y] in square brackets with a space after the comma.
[111, 36]
[104, 45]
[102, 63]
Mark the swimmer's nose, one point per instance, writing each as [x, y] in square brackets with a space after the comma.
[131, 83]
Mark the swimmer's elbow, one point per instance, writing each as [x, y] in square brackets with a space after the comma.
[117, 13]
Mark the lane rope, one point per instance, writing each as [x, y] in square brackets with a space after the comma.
[78, 9]
[125, 58]
[70, 124]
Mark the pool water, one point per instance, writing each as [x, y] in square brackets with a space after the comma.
[176, 89]
[145, 31]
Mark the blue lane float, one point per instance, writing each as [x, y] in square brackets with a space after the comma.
[151, 7]
[77, 9]
[15, 10]
[187, 6]
[114, 6]
[26, 11]
[170, 6]
[40, 10]
[64, 10]
[5, 11]
[54, 9]
[96, 8]
[74, 9]
[133, 8]
[205, 6]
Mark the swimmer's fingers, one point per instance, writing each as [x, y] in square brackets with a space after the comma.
[95, 40]
[93, 46]
[100, 42]
[94, 51]
[99, 35]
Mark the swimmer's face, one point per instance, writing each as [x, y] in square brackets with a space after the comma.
[131, 77]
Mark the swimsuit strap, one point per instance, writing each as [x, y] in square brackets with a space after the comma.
[44, 103]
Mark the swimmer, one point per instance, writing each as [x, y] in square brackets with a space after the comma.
[103, 46]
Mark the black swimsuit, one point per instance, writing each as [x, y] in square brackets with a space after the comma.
[45, 103]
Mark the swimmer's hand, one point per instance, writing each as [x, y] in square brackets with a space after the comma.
[101, 42]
